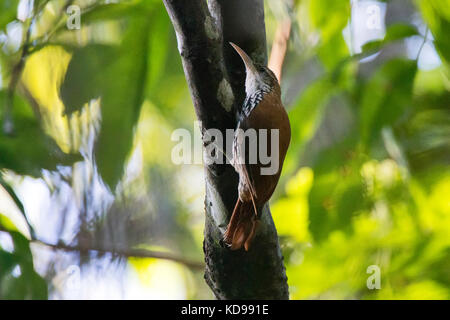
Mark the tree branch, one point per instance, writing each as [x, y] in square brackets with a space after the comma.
[199, 43]
[279, 48]
[242, 23]
[128, 253]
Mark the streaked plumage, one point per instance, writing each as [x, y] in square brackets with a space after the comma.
[262, 109]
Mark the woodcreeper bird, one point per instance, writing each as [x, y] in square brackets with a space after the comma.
[262, 109]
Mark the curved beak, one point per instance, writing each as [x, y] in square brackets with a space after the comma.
[249, 66]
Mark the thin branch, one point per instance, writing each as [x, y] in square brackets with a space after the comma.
[128, 253]
[279, 48]
[425, 38]
[19, 205]
[8, 124]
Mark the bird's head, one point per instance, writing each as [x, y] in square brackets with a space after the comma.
[258, 77]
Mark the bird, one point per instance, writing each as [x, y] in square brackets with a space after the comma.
[262, 109]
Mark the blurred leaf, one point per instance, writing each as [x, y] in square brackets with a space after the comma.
[330, 17]
[114, 11]
[305, 116]
[25, 156]
[426, 149]
[97, 13]
[399, 30]
[334, 51]
[85, 75]
[337, 193]
[6, 224]
[13, 195]
[437, 15]
[116, 74]
[394, 32]
[8, 12]
[18, 203]
[7, 263]
[294, 224]
[27, 284]
[386, 97]
[159, 47]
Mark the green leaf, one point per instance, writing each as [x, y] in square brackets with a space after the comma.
[334, 51]
[394, 32]
[29, 284]
[305, 116]
[159, 48]
[85, 77]
[116, 75]
[437, 15]
[336, 180]
[7, 263]
[399, 31]
[330, 17]
[114, 11]
[29, 150]
[29, 287]
[108, 12]
[18, 203]
[385, 97]
[6, 224]
[8, 12]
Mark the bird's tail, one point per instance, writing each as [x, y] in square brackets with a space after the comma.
[242, 226]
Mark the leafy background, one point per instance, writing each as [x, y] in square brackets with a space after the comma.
[85, 151]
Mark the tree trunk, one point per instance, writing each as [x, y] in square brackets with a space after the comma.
[215, 75]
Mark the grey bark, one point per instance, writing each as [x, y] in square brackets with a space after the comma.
[215, 76]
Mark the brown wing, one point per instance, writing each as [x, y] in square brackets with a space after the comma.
[269, 114]
[240, 163]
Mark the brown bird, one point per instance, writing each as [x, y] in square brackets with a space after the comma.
[262, 109]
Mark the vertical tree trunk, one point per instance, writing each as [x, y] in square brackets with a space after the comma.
[215, 75]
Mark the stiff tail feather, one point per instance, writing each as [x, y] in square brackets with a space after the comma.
[242, 226]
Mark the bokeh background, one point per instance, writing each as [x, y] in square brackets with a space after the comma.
[88, 187]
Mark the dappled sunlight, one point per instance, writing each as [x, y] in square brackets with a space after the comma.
[161, 279]
[42, 76]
